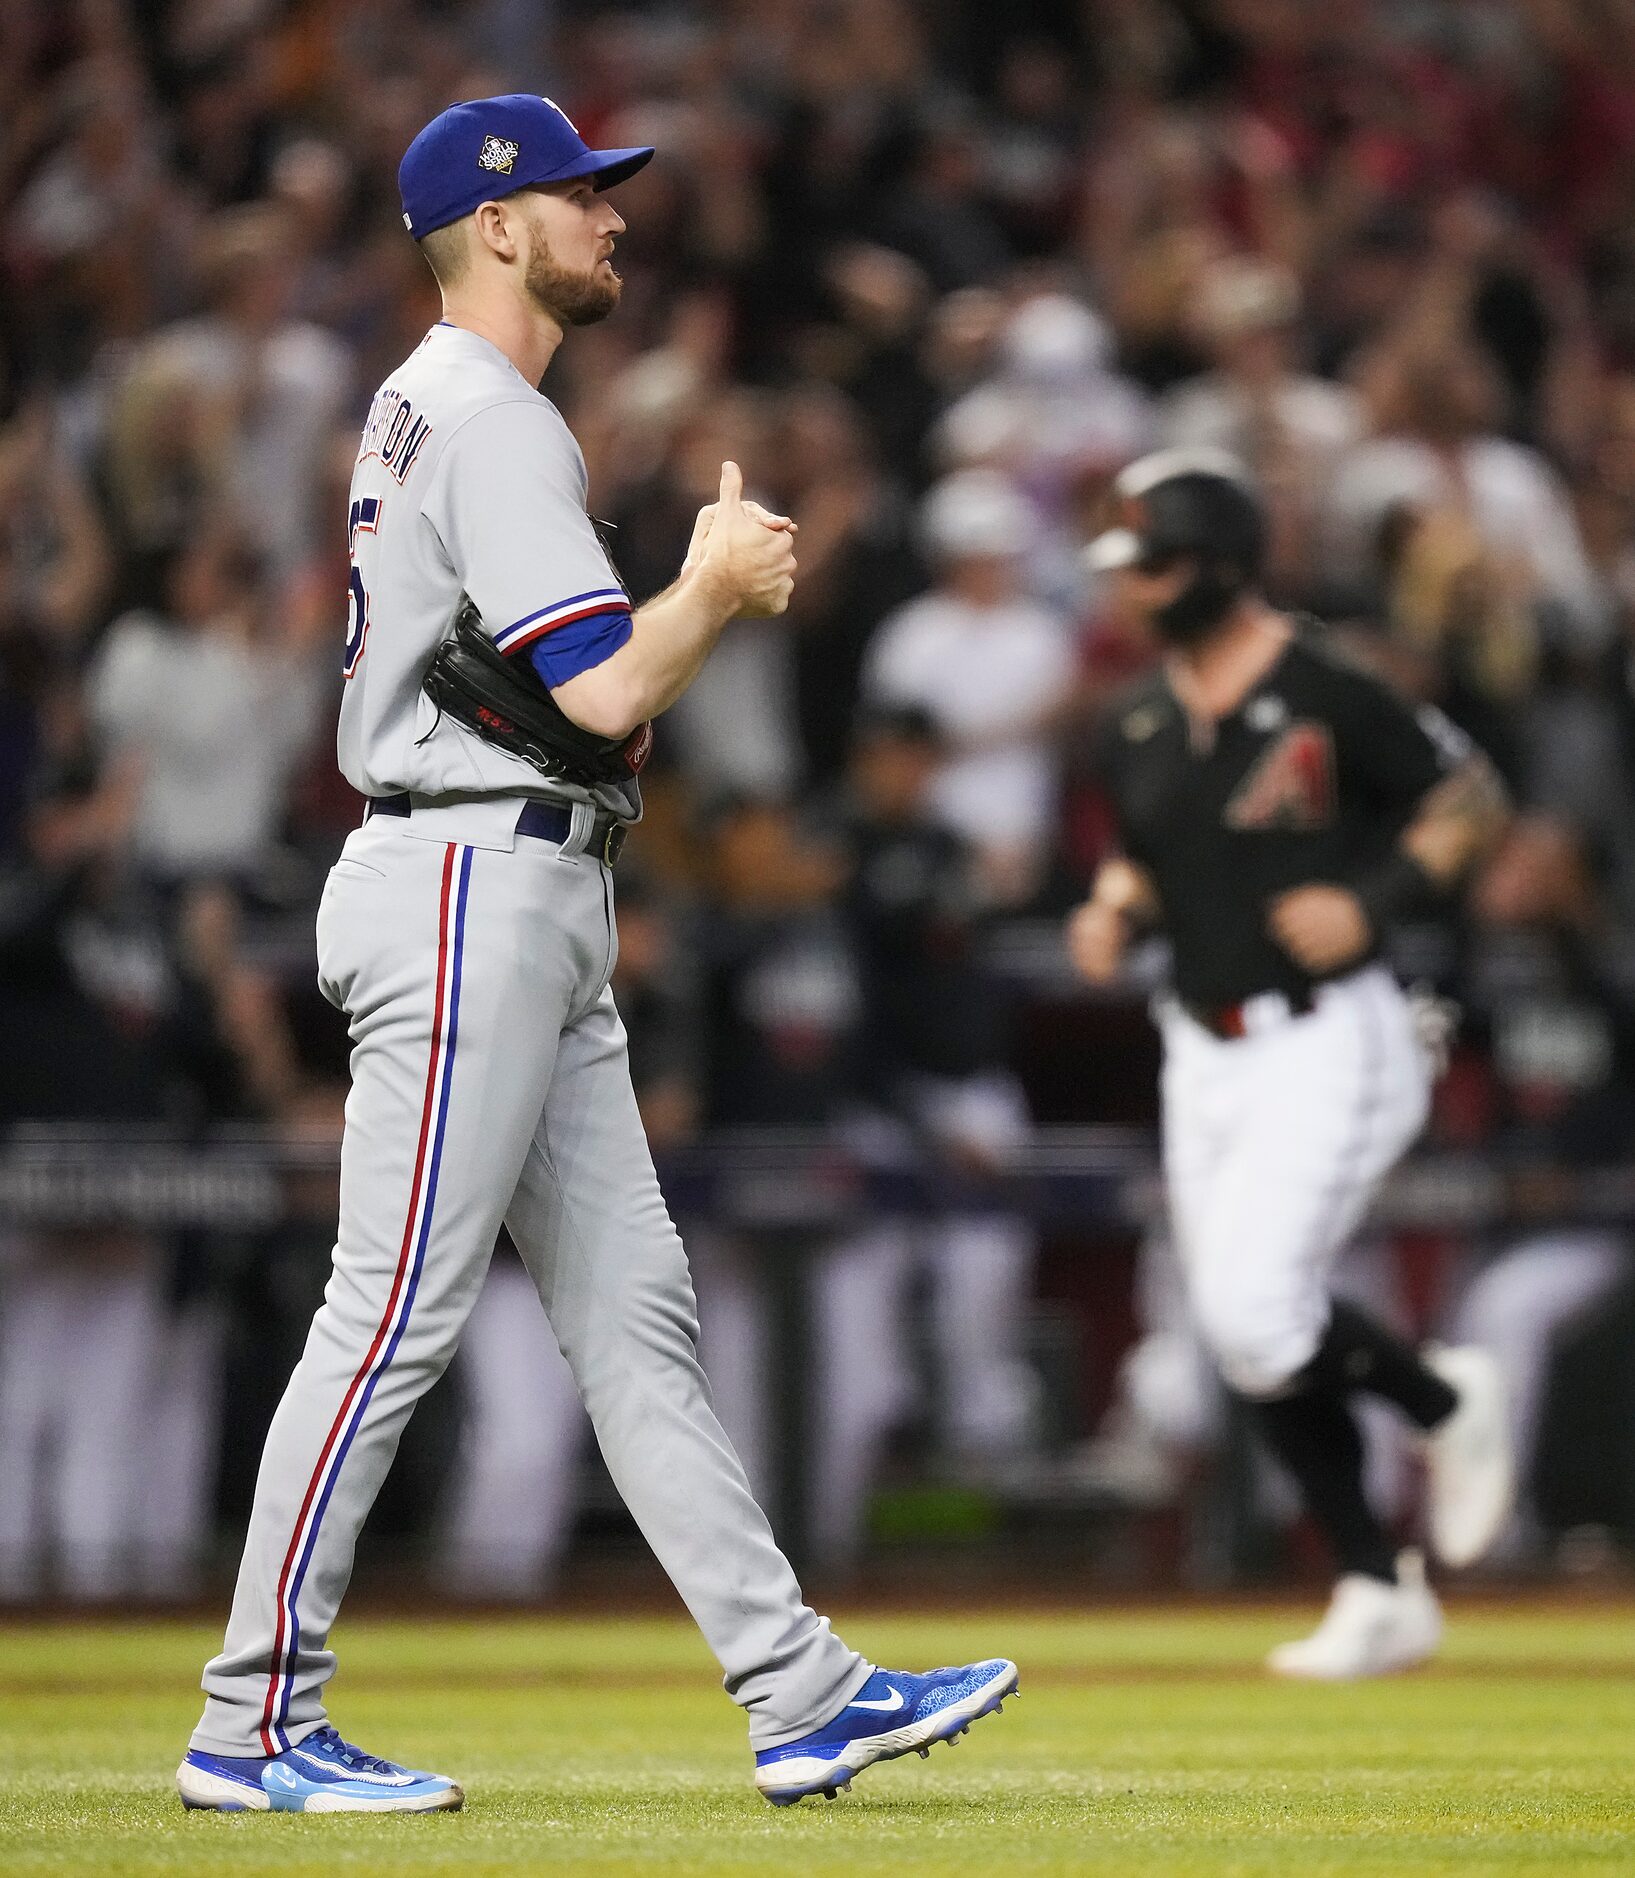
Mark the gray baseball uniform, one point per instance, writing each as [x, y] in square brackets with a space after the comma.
[490, 1084]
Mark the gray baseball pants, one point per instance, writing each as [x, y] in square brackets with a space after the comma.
[490, 1084]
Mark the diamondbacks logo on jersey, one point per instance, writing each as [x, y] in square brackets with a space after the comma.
[498, 154]
[1291, 786]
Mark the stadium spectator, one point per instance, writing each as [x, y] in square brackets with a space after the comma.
[857, 561]
[1434, 410]
[1057, 419]
[55, 561]
[232, 407]
[991, 667]
[1580, 731]
[778, 1009]
[1291, 427]
[203, 715]
[931, 1076]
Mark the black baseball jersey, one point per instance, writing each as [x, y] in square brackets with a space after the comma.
[1310, 780]
[911, 908]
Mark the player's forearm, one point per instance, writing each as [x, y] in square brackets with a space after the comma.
[674, 634]
[1458, 822]
[671, 637]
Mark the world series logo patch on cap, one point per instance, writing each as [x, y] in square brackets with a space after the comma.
[498, 154]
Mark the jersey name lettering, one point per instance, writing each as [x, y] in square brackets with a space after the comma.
[1291, 786]
[393, 433]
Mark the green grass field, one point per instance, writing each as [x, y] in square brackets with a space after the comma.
[1144, 1743]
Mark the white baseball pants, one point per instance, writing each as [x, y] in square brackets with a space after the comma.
[1274, 1144]
[490, 1085]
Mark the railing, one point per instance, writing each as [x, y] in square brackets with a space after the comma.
[790, 1194]
[241, 1177]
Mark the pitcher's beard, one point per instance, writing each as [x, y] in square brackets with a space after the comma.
[574, 299]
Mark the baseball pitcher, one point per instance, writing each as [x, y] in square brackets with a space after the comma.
[499, 686]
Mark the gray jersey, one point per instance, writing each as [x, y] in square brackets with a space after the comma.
[467, 481]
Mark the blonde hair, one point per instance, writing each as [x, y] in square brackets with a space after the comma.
[447, 252]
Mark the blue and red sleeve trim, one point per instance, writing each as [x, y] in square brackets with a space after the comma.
[550, 619]
[578, 644]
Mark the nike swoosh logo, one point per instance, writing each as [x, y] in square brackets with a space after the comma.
[885, 1707]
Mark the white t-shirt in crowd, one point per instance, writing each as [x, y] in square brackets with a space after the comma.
[981, 673]
[217, 726]
[1319, 422]
[1516, 502]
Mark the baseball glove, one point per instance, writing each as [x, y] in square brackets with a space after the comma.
[506, 703]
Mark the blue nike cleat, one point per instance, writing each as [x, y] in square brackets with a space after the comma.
[923, 1709]
[320, 1774]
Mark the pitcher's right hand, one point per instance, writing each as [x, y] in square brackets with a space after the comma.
[747, 553]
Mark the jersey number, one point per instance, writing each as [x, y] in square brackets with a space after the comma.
[364, 518]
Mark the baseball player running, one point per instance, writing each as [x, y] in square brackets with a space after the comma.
[1277, 809]
[498, 690]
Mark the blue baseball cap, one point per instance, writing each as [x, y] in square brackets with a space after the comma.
[477, 152]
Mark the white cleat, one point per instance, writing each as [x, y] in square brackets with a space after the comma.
[1370, 1629]
[1472, 1470]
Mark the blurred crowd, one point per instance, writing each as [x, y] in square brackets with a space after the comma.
[931, 274]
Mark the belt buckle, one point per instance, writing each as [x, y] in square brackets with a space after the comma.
[613, 842]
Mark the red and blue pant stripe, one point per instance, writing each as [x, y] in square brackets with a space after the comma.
[388, 1335]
